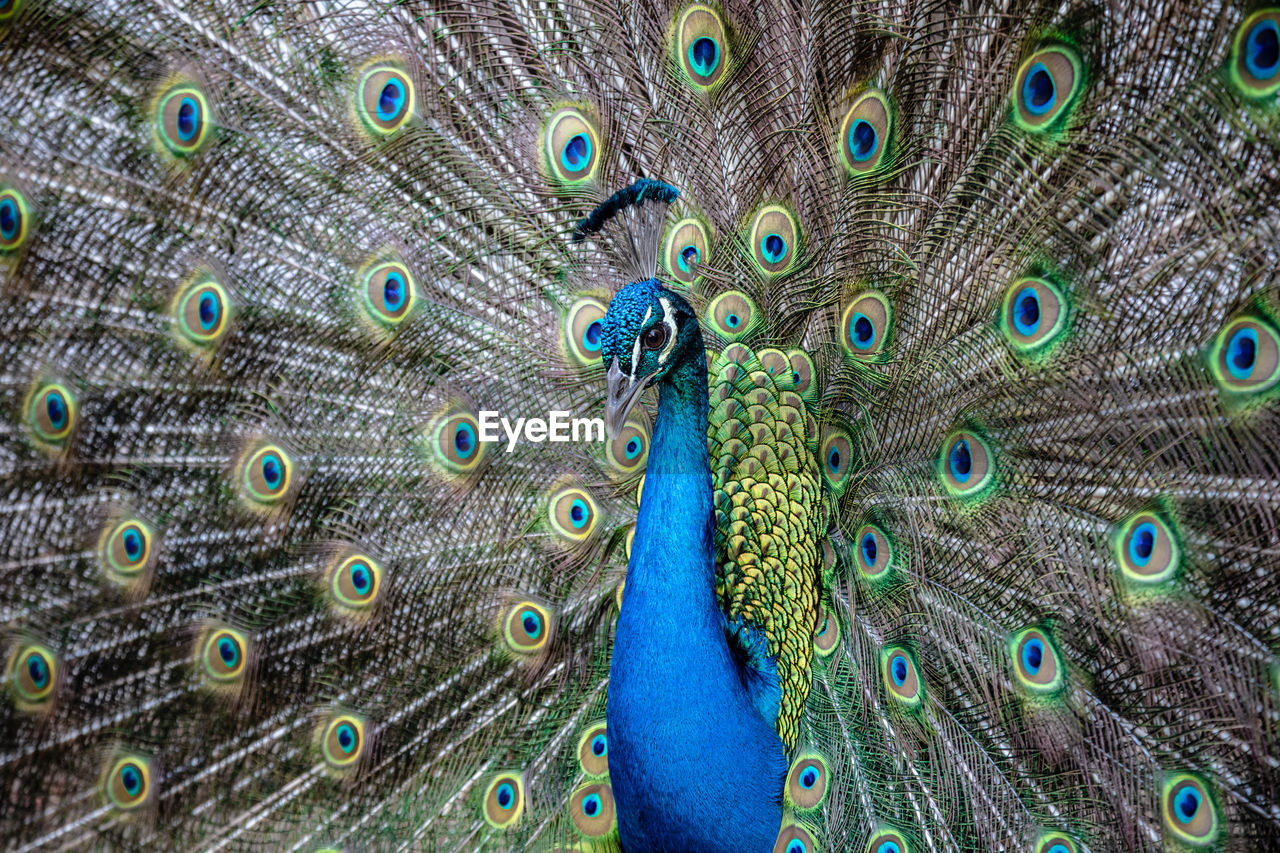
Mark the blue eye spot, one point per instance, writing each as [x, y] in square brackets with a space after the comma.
[390, 100]
[505, 795]
[9, 219]
[1026, 315]
[464, 440]
[704, 56]
[208, 306]
[1242, 352]
[732, 321]
[361, 580]
[862, 140]
[38, 670]
[56, 408]
[688, 257]
[898, 670]
[773, 248]
[826, 623]
[633, 448]
[578, 513]
[833, 460]
[131, 779]
[869, 549]
[959, 460]
[228, 651]
[272, 471]
[795, 376]
[591, 337]
[888, 847]
[599, 745]
[1057, 848]
[576, 153]
[394, 292]
[591, 805]
[1262, 50]
[862, 330]
[532, 624]
[1038, 92]
[188, 118]
[796, 846]
[1032, 656]
[808, 778]
[132, 544]
[346, 737]
[1186, 803]
[1142, 542]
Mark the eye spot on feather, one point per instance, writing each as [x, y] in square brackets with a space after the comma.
[584, 330]
[454, 446]
[9, 10]
[865, 133]
[629, 451]
[807, 781]
[1056, 842]
[1146, 549]
[1244, 356]
[592, 810]
[125, 549]
[593, 750]
[1034, 314]
[1046, 85]
[687, 245]
[1255, 55]
[901, 676]
[527, 626]
[384, 99]
[32, 673]
[1036, 662]
[201, 311]
[795, 838]
[865, 325]
[701, 47]
[388, 292]
[266, 473]
[836, 453]
[1190, 813]
[182, 119]
[51, 415]
[354, 582]
[774, 238]
[127, 784]
[873, 552]
[222, 654]
[887, 841]
[732, 315]
[342, 741]
[572, 514]
[803, 373]
[966, 464]
[504, 800]
[826, 638]
[15, 219]
[571, 146]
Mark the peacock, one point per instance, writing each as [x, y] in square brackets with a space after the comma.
[927, 359]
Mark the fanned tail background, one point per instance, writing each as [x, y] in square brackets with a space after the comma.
[262, 584]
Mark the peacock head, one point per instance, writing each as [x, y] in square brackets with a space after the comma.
[648, 332]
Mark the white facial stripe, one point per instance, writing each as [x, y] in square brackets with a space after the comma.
[635, 350]
[669, 318]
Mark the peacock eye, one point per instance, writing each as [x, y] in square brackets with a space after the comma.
[654, 337]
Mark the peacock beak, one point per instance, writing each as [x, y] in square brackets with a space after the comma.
[623, 393]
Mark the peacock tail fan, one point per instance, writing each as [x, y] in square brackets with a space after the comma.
[992, 305]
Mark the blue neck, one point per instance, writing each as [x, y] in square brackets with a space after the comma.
[692, 762]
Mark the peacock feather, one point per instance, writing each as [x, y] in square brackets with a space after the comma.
[939, 350]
